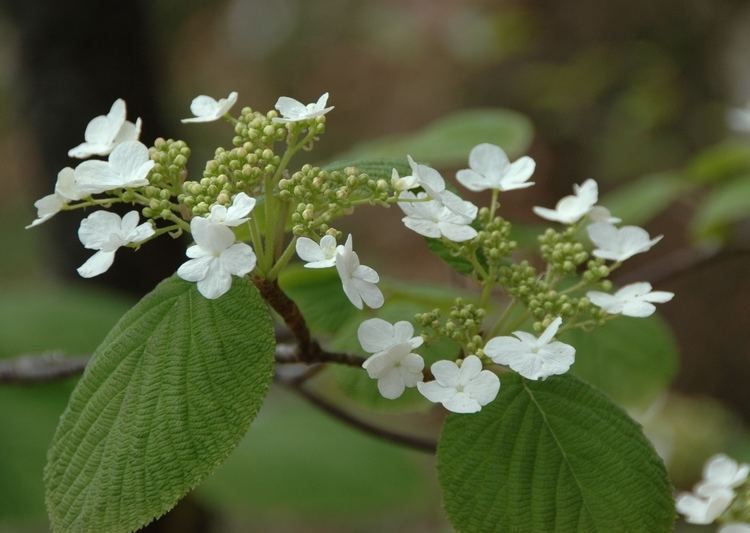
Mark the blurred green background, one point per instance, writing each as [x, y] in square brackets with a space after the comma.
[634, 94]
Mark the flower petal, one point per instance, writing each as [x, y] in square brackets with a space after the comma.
[96, 264]
[376, 335]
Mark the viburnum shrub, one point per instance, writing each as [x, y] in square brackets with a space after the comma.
[172, 389]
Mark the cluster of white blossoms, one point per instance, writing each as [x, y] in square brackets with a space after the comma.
[713, 496]
[132, 174]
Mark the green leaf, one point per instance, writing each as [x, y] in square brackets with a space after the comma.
[167, 396]
[448, 140]
[375, 168]
[639, 201]
[552, 456]
[724, 205]
[318, 294]
[722, 161]
[632, 360]
[458, 263]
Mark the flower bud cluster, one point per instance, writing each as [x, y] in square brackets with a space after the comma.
[494, 239]
[463, 325]
[254, 130]
[562, 252]
[229, 172]
[165, 179]
[321, 195]
[523, 282]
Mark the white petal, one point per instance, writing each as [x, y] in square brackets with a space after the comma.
[658, 297]
[351, 292]
[47, 207]
[66, 185]
[474, 181]
[370, 294]
[469, 369]
[216, 283]
[461, 402]
[551, 331]
[499, 349]
[484, 387]
[376, 335]
[239, 259]
[203, 106]
[242, 205]
[131, 160]
[426, 228]
[457, 232]
[94, 177]
[403, 331]
[210, 236]
[638, 309]
[547, 214]
[488, 160]
[96, 264]
[603, 234]
[97, 229]
[735, 527]
[446, 373]
[308, 250]
[433, 391]
[195, 269]
[391, 384]
[128, 132]
[609, 303]
[289, 107]
[517, 175]
[378, 364]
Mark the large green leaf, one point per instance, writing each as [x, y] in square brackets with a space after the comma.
[632, 360]
[639, 201]
[448, 140]
[552, 456]
[167, 396]
[726, 204]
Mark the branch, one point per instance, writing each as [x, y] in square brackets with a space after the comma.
[421, 444]
[29, 369]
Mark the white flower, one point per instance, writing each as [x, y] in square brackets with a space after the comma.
[735, 527]
[215, 258]
[722, 472]
[393, 364]
[66, 189]
[316, 255]
[533, 358]
[599, 213]
[295, 111]
[432, 219]
[235, 214]
[619, 244]
[105, 132]
[403, 183]
[704, 510]
[491, 169]
[106, 232]
[434, 186]
[636, 300]
[463, 389]
[128, 166]
[570, 209]
[738, 119]
[358, 281]
[207, 109]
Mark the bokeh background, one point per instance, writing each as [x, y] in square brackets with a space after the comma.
[632, 93]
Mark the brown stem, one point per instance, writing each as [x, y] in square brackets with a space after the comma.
[30, 369]
[421, 444]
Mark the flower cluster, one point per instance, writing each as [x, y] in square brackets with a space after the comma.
[722, 495]
[248, 192]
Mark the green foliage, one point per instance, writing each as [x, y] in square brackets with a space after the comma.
[375, 168]
[553, 456]
[726, 204]
[722, 161]
[632, 360]
[36, 319]
[458, 263]
[297, 462]
[448, 140]
[638, 201]
[168, 394]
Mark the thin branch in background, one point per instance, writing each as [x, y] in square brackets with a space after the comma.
[421, 444]
[31, 369]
